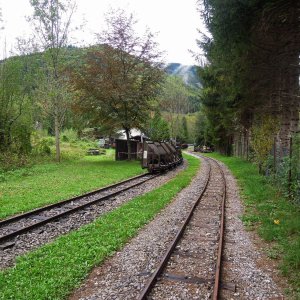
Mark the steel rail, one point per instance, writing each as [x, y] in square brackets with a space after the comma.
[221, 238]
[47, 207]
[152, 280]
[72, 210]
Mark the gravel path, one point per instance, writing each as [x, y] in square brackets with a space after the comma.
[241, 256]
[48, 233]
[124, 275]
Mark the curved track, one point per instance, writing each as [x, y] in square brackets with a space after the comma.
[205, 224]
[23, 223]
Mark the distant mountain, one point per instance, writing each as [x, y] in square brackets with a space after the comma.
[187, 73]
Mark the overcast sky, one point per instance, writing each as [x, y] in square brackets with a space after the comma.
[175, 22]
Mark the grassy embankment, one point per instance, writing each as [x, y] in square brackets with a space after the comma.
[274, 217]
[54, 270]
[31, 187]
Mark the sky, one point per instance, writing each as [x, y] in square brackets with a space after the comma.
[175, 23]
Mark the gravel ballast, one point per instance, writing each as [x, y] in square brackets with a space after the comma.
[49, 232]
[124, 275]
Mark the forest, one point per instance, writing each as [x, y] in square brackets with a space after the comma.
[250, 97]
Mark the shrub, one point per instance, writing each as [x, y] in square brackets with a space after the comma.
[42, 147]
[2, 175]
[262, 139]
[11, 161]
[69, 135]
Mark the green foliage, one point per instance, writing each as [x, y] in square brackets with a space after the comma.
[185, 134]
[68, 260]
[15, 103]
[157, 129]
[120, 79]
[203, 136]
[69, 135]
[51, 21]
[262, 139]
[175, 100]
[43, 147]
[218, 109]
[245, 59]
[286, 173]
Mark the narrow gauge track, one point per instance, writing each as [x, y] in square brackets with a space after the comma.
[205, 225]
[23, 223]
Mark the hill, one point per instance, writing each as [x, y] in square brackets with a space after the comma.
[187, 73]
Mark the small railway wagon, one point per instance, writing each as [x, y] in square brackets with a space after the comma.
[160, 156]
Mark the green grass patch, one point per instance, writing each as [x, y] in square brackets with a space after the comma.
[54, 270]
[275, 218]
[31, 187]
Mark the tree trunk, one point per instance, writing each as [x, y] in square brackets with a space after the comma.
[127, 131]
[57, 138]
[2, 141]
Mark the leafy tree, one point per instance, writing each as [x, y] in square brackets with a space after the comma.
[51, 21]
[185, 134]
[262, 140]
[173, 101]
[120, 78]
[157, 129]
[251, 72]
[15, 105]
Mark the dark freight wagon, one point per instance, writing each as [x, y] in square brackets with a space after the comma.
[122, 149]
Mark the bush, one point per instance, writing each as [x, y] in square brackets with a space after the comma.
[64, 138]
[11, 161]
[2, 175]
[286, 172]
[262, 139]
[69, 135]
[42, 147]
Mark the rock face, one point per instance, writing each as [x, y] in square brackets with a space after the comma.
[187, 73]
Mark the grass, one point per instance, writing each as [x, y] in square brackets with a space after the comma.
[31, 187]
[54, 270]
[275, 218]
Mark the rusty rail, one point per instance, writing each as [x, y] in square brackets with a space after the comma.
[145, 292]
[153, 279]
[69, 210]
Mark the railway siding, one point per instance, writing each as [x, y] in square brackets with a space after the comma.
[52, 271]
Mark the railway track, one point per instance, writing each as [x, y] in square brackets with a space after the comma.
[194, 270]
[24, 223]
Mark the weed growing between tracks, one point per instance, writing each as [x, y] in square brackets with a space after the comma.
[275, 218]
[28, 188]
[54, 270]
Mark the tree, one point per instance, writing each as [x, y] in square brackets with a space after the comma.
[51, 21]
[262, 139]
[157, 129]
[15, 105]
[185, 134]
[253, 68]
[173, 101]
[121, 77]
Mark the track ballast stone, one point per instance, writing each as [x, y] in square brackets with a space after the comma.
[124, 275]
[49, 232]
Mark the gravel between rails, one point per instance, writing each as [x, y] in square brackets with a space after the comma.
[124, 275]
[49, 232]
